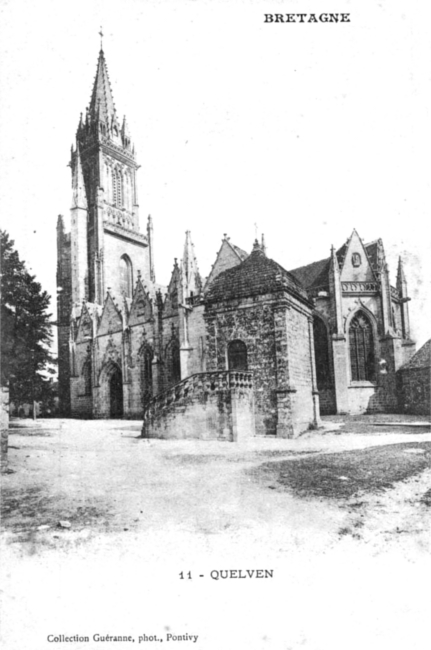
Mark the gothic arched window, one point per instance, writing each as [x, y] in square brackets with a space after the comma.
[321, 353]
[126, 280]
[361, 343]
[237, 355]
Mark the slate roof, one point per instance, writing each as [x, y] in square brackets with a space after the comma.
[372, 254]
[314, 274]
[422, 358]
[256, 275]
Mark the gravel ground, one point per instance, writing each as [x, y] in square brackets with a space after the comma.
[75, 480]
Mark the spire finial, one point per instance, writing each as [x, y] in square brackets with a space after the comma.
[101, 39]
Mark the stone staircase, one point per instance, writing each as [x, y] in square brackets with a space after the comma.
[208, 406]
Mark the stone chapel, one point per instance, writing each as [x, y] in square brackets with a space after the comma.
[253, 349]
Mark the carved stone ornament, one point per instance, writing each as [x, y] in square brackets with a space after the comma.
[356, 259]
[112, 353]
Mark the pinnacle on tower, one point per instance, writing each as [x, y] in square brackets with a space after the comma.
[60, 223]
[400, 274]
[335, 267]
[78, 186]
[125, 133]
[401, 279]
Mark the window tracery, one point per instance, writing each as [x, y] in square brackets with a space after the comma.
[361, 341]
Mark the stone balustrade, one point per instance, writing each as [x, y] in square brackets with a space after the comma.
[196, 389]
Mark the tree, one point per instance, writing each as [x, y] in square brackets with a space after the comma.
[26, 330]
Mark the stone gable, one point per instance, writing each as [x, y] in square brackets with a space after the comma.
[111, 320]
[142, 306]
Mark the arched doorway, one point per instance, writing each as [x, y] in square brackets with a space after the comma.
[237, 355]
[116, 394]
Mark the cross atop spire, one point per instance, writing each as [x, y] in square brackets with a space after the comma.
[101, 39]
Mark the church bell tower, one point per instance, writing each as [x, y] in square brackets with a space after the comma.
[105, 213]
[104, 249]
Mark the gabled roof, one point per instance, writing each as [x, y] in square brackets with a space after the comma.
[141, 309]
[111, 320]
[228, 256]
[316, 274]
[256, 275]
[422, 358]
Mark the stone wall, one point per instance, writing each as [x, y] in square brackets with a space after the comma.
[276, 334]
[115, 248]
[197, 340]
[414, 390]
[327, 401]
[300, 369]
[206, 406]
[253, 324]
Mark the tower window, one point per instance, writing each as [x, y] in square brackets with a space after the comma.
[361, 348]
[126, 280]
[117, 188]
[237, 355]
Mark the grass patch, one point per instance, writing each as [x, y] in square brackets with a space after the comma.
[342, 475]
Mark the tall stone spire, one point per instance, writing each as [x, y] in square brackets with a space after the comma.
[102, 101]
[401, 279]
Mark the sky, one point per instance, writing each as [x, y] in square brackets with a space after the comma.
[298, 131]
